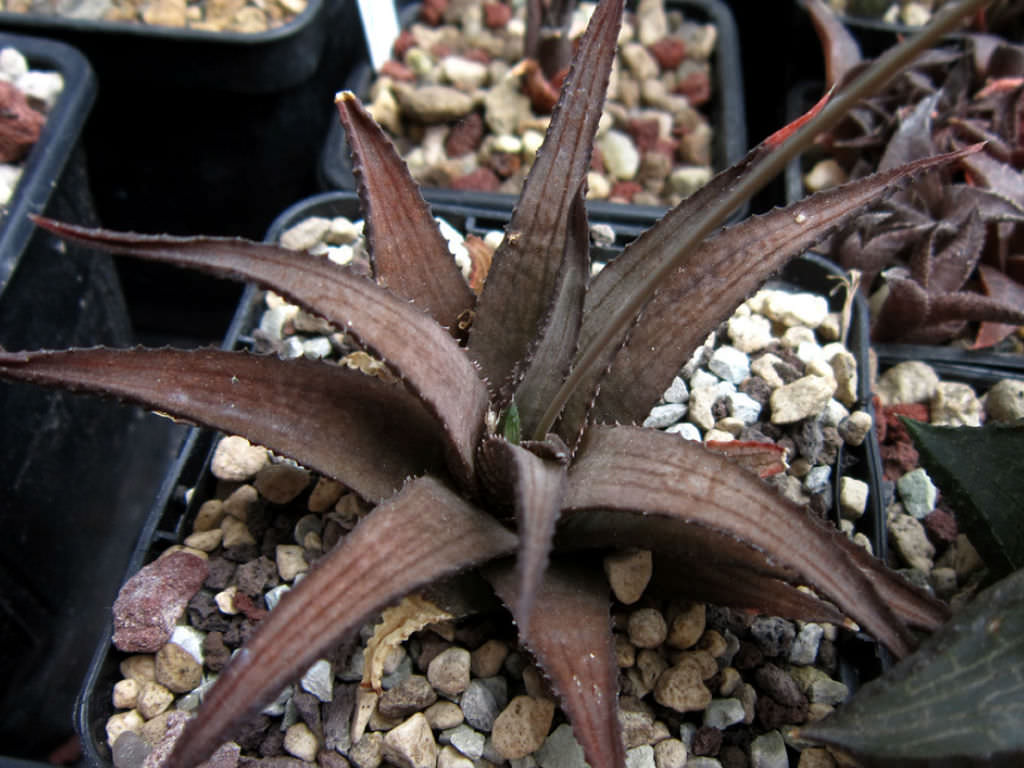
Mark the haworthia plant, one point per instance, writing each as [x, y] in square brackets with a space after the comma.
[542, 348]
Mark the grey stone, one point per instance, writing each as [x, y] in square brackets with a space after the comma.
[721, 713]
[319, 680]
[677, 391]
[685, 430]
[729, 364]
[817, 479]
[768, 751]
[806, 643]
[640, 757]
[773, 635]
[911, 542]
[662, 416]
[469, 742]
[918, 493]
[479, 706]
[745, 408]
[130, 750]
[560, 750]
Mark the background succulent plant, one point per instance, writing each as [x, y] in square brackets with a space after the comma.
[572, 363]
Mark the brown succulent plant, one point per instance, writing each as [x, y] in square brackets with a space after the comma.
[541, 352]
[946, 251]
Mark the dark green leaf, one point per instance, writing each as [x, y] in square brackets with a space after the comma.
[959, 700]
[979, 472]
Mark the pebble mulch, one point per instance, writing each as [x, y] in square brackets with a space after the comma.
[913, 14]
[925, 540]
[26, 96]
[701, 685]
[456, 100]
[244, 16]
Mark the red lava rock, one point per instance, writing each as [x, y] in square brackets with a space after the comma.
[898, 459]
[20, 125]
[480, 180]
[465, 136]
[707, 741]
[894, 430]
[397, 70]
[696, 87]
[432, 11]
[669, 51]
[644, 132]
[667, 147]
[623, 191]
[150, 603]
[941, 526]
[253, 610]
[496, 15]
[403, 43]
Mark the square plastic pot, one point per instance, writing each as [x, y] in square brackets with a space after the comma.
[68, 477]
[727, 117]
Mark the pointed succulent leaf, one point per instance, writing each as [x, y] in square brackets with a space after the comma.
[1003, 179]
[714, 279]
[424, 533]
[841, 50]
[973, 306]
[946, 269]
[974, 468]
[571, 636]
[298, 408]
[415, 348]
[536, 486]
[645, 471]
[517, 294]
[1005, 290]
[959, 700]
[548, 361]
[740, 588]
[396, 216]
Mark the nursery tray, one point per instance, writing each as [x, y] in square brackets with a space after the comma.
[727, 117]
[189, 481]
[68, 482]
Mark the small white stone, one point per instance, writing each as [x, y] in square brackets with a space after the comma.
[13, 63]
[662, 416]
[687, 179]
[640, 757]
[235, 458]
[189, 638]
[301, 742]
[729, 364]
[745, 408]
[721, 713]
[833, 413]
[411, 744]
[685, 430]
[750, 333]
[806, 309]
[805, 646]
[677, 391]
[319, 680]
[701, 379]
[768, 751]
[764, 366]
[291, 561]
[718, 436]
[817, 478]
[464, 74]
[307, 234]
[621, 158]
[44, 87]
[274, 595]
[804, 397]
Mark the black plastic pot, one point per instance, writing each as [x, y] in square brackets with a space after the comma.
[198, 132]
[67, 474]
[727, 110]
[189, 481]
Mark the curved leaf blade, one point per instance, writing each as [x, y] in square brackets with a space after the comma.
[517, 294]
[424, 533]
[415, 348]
[628, 468]
[537, 490]
[959, 700]
[298, 408]
[426, 273]
[571, 636]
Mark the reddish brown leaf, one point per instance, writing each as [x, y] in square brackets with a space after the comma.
[842, 52]
[422, 534]
[397, 215]
[550, 357]
[764, 459]
[571, 636]
[517, 294]
[368, 434]
[1004, 290]
[627, 468]
[414, 347]
[537, 489]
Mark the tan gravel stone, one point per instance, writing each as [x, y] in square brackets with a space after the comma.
[520, 728]
[443, 715]
[236, 458]
[686, 626]
[126, 693]
[682, 688]
[629, 573]
[153, 699]
[647, 628]
[236, 533]
[140, 667]
[411, 744]
[301, 742]
[486, 660]
[280, 483]
[449, 671]
[177, 669]
[210, 513]
[291, 561]
[121, 722]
